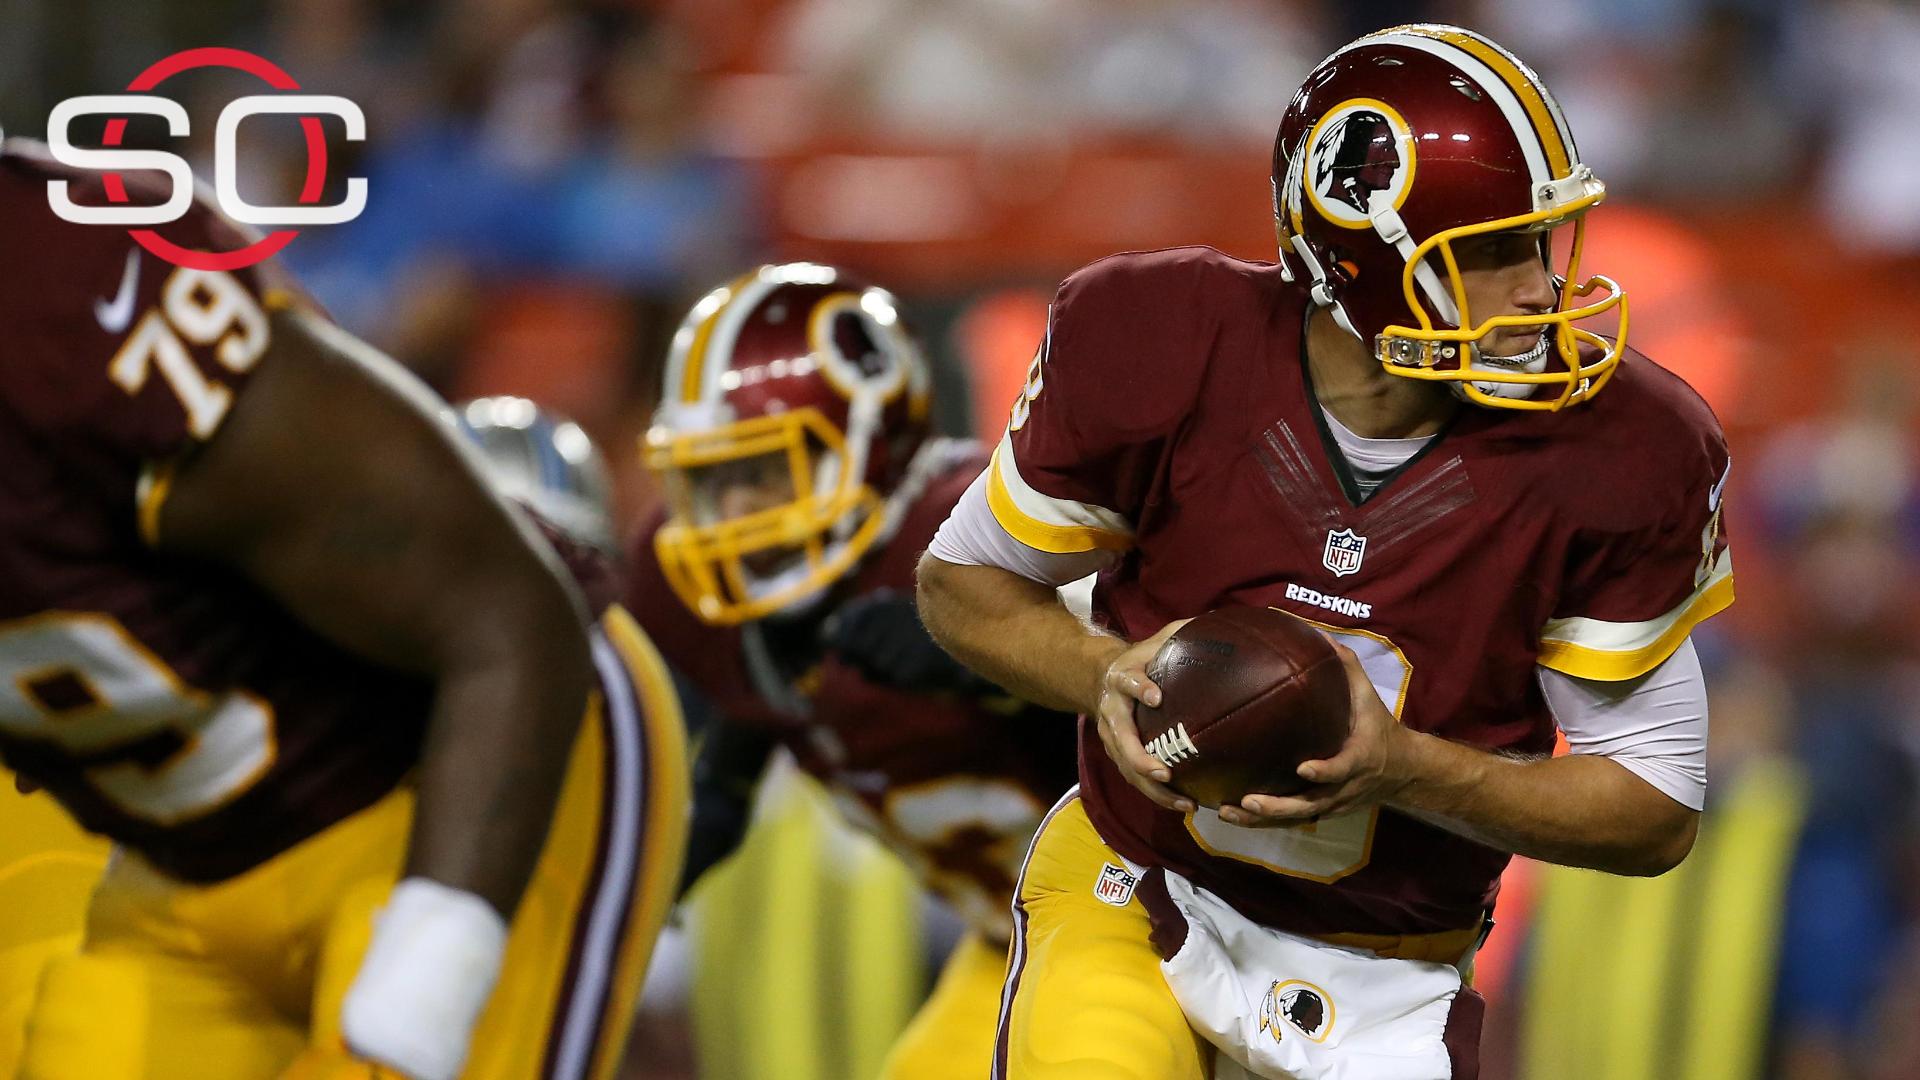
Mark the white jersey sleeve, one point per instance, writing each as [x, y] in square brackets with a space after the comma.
[1654, 725]
[973, 536]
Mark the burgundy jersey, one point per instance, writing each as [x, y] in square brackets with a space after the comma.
[167, 703]
[591, 569]
[1171, 417]
[956, 786]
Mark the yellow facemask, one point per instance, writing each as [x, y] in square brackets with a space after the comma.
[1419, 352]
[831, 521]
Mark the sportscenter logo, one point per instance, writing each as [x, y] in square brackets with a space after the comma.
[226, 184]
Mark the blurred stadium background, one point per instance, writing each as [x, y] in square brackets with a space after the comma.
[553, 181]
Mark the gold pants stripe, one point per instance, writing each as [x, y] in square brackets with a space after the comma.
[643, 734]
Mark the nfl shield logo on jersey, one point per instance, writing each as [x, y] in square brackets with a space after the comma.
[1115, 886]
[1344, 552]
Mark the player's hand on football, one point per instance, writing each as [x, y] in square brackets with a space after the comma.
[1124, 684]
[1371, 767]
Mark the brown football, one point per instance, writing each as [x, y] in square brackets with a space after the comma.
[1246, 695]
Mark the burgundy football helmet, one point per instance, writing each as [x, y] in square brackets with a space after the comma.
[1402, 144]
[801, 374]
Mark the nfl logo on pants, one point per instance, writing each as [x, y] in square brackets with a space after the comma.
[1344, 552]
[1115, 886]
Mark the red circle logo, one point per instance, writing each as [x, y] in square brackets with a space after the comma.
[270, 73]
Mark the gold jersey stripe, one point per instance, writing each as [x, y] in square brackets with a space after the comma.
[1045, 535]
[1585, 662]
[150, 494]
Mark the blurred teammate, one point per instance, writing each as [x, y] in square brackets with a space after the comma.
[801, 487]
[1407, 433]
[48, 866]
[543, 462]
[382, 790]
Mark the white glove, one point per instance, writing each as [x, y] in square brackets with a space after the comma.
[435, 956]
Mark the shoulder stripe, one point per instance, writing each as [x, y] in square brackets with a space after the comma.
[687, 366]
[1612, 651]
[1044, 523]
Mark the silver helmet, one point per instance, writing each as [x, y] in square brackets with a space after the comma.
[545, 462]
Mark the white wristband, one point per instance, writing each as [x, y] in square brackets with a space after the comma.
[435, 956]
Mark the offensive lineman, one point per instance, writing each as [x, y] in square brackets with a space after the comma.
[267, 629]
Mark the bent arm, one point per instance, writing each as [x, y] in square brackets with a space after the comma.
[1015, 632]
[335, 487]
[993, 603]
[1576, 810]
[1626, 800]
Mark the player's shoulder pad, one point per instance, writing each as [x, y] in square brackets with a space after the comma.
[941, 472]
[1650, 443]
[1131, 333]
[26, 168]
[1665, 415]
[83, 338]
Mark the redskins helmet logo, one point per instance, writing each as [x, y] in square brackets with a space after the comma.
[1300, 1005]
[860, 342]
[1359, 158]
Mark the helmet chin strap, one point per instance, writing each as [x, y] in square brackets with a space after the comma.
[1391, 229]
[1322, 290]
[1388, 225]
[1533, 362]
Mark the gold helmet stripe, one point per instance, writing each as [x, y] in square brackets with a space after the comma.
[1425, 38]
[692, 375]
[1525, 85]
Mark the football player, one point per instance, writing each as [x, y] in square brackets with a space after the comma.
[48, 865]
[802, 486]
[387, 801]
[1408, 432]
[544, 462]
[550, 466]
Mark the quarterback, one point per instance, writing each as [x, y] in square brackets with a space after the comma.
[386, 799]
[802, 486]
[1409, 432]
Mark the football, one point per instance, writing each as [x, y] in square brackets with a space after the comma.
[1247, 694]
